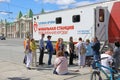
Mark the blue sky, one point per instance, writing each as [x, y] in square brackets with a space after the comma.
[15, 6]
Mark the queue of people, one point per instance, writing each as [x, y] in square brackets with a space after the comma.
[85, 50]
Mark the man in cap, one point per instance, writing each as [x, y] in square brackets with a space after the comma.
[49, 47]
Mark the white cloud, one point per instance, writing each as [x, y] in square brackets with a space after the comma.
[60, 2]
[4, 0]
[64, 7]
[81, 3]
[4, 13]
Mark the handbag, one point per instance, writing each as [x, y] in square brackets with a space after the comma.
[54, 70]
[26, 51]
[82, 49]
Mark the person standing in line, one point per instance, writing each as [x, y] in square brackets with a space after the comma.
[49, 48]
[41, 48]
[62, 47]
[33, 48]
[81, 56]
[28, 54]
[57, 45]
[71, 50]
[88, 53]
[60, 64]
[116, 55]
[96, 48]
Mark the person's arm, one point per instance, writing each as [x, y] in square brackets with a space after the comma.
[110, 60]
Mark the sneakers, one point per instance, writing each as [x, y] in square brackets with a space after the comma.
[49, 65]
[41, 63]
[76, 70]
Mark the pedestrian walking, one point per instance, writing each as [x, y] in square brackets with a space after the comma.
[24, 43]
[49, 48]
[28, 54]
[41, 48]
[33, 48]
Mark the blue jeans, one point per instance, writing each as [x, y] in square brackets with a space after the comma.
[96, 57]
[50, 57]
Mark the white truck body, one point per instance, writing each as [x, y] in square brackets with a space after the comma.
[100, 19]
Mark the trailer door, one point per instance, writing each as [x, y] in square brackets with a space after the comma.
[101, 23]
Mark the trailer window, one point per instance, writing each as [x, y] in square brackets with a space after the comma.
[34, 18]
[76, 18]
[58, 20]
[37, 17]
[101, 15]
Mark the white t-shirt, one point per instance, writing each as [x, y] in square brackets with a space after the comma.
[105, 62]
[78, 46]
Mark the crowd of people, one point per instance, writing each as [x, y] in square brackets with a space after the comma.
[85, 50]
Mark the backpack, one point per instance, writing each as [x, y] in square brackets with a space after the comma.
[82, 49]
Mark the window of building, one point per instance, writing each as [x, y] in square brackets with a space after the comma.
[76, 18]
[101, 15]
[58, 20]
[34, 18]
[37, 17]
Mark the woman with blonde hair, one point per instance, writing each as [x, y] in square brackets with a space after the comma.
[60, 64]
[33, 48]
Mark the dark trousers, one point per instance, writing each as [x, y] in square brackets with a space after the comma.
[25, 59]
[71, 58]
[50, 57]
[41, 56]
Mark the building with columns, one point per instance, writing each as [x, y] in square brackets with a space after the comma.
[19, 28]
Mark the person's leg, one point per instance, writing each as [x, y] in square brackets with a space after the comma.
[50, 57]
[41, 56]
[35, 58]
[78, 59]
[29, 59]
[25, 59]
[83, 56]
[71, 59]
[81, 60]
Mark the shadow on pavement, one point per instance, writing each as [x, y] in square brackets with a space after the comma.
[74, 75]
[18, 78]
[44, 69]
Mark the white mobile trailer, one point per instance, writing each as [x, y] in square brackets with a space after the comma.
[99, 19]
